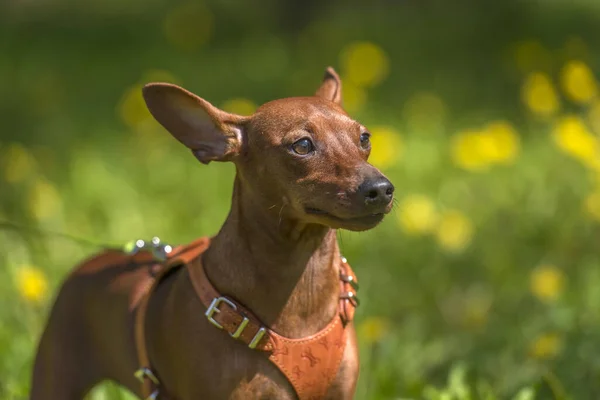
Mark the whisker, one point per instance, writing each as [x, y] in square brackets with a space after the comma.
[280, 210]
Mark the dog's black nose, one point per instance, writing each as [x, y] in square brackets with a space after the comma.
[378, 191]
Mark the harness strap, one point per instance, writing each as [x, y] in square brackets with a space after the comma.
[178, 256]
[310, 363]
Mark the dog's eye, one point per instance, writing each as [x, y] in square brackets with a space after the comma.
[303, 147]
[365, 140]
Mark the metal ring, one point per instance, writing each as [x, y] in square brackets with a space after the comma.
[351, 296]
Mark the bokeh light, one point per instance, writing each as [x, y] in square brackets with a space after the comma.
[546, 346]
[578, 82]
[539, 95]
[132, 107]
[417, 215]
[476, 150]
[592, 205]
[502, 143]
[17, 161]
[44, 200]
[547, 283]
[365, 64]
[386, 146]
[354, 97]
[373, 329]
[31, 284]
[454, 231]
[573, 137]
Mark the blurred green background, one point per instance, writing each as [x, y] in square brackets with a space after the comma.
[485, 281]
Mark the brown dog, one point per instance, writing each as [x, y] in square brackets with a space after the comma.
[302, 173]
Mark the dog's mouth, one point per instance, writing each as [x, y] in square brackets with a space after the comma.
[368, 220]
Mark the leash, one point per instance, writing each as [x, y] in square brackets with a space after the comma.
[8, 225]
[155, 245]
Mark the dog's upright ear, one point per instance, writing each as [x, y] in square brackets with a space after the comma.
[331, 87]
[211, 134]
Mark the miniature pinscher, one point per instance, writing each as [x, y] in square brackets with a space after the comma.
[261, 310]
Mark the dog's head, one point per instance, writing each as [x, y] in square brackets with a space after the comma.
[302, 155]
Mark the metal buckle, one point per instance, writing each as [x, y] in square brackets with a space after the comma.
[144, 373]
[214, 308]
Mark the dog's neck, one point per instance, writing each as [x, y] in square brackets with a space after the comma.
[285, 272]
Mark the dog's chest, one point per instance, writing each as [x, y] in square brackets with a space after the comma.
[217, 367]
[234, 372]
[193, 359]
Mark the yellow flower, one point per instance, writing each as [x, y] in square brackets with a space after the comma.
[31, 284]
[132, 107]
[503, 142]
[455, 231]
[417, 215]
[545, 346]
[354, 97]
[373, 329]
[44, 200]
[547, 283]
[466, 151]
[364, 63]
[239, 106]
[189, 26]
[425, 112]
[592, 205]
[386, 146]
[497, 143]
[18, 163]
[573, 137]
[539, 94]
[578, 82]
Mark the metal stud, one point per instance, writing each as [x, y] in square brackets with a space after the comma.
[352, 298]
[159, 250]
[350, 280]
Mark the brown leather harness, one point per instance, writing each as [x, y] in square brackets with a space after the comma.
[310, 364]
